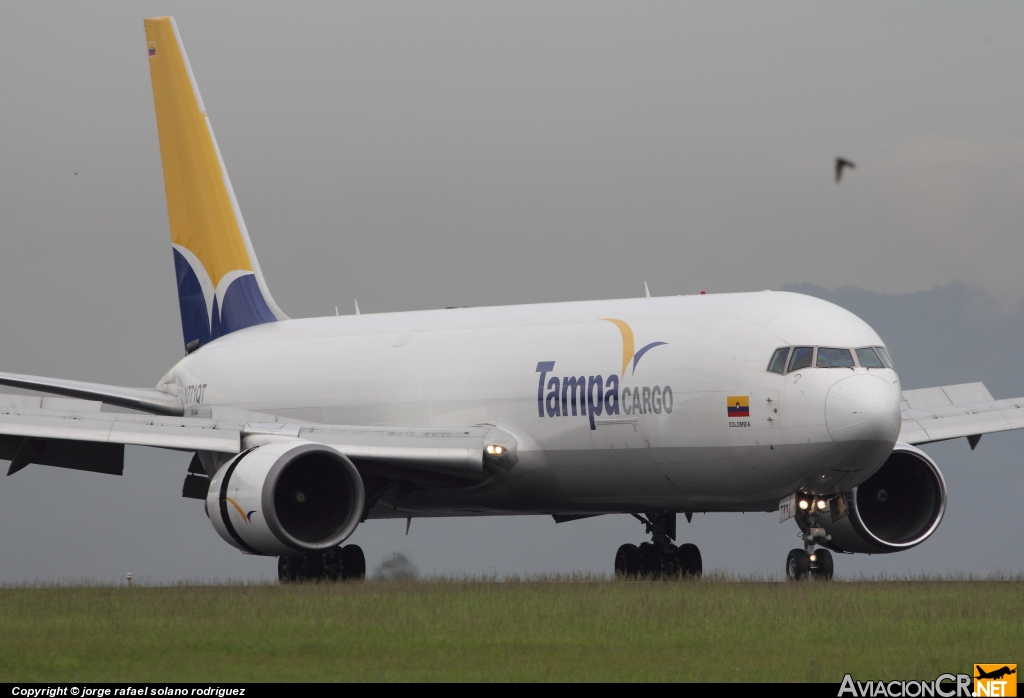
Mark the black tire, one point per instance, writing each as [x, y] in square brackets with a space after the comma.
[689, 560]
[332, 564]
[821, 568]
[650, 561]
[287, 569]
[670, 562]
[353, 563]
[798, 564]
[627, 561]
[311, 567]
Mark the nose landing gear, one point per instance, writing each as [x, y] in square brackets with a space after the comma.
[810, 562]
[337, 564]
[817, 564]
[659, 558]
[821, 564]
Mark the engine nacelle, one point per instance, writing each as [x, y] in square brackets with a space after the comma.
[897, 508]
[286, 498]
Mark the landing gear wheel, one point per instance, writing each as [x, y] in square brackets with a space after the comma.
[650, 561]
[627, 561]
[287, 569]
[311, 567]
[353, 563]
[670, 562]
[332, 564]
[798, 564]
[821, 568]
[689, 560]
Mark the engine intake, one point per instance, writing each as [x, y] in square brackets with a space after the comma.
[286, 498]
[897, 508]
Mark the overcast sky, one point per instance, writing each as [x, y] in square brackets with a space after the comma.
[419, 155]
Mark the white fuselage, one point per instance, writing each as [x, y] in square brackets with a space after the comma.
[648, 431]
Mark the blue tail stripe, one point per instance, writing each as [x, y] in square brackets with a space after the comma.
[195, 322]
[244, 306]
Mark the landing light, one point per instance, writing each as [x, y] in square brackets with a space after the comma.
[496, 450]
[814, 558]
[804, 504]
[821, 504]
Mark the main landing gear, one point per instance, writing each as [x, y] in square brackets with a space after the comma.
[337, 564]
[660, 558]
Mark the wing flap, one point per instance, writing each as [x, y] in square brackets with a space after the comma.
[945, 395]
[453, 451]
[392, 453]
[75, 455]
[48, 403]
[183, 436]
[445, 452]
[140, 430]
[954, 411]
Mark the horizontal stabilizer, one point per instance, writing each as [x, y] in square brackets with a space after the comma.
[144, 399]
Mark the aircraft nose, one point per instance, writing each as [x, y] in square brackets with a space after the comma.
[862, 408]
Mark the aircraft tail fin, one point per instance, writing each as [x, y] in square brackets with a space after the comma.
[220, 286]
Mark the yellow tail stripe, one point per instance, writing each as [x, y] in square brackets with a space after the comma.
[200, 208]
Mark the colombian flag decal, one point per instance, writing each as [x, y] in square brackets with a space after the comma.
[739, 405]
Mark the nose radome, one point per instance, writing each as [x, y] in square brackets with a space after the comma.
[862, 408]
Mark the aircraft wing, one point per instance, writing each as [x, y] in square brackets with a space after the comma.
[953, 411]
[76, 434]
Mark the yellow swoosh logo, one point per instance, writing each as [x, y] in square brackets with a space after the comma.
[238, 509]
[627, 341]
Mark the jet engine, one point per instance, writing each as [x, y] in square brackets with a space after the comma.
[896, 508]
[286, 498]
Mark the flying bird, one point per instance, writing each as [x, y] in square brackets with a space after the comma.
[842, 164]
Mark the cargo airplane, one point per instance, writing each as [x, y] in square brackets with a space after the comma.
[303, 429]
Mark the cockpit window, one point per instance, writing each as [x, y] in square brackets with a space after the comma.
[829, 357]
[778, 362]
[868, 358]
[884, 356]
[802, 357]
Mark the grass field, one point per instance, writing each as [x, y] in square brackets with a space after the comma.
[711, 630]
